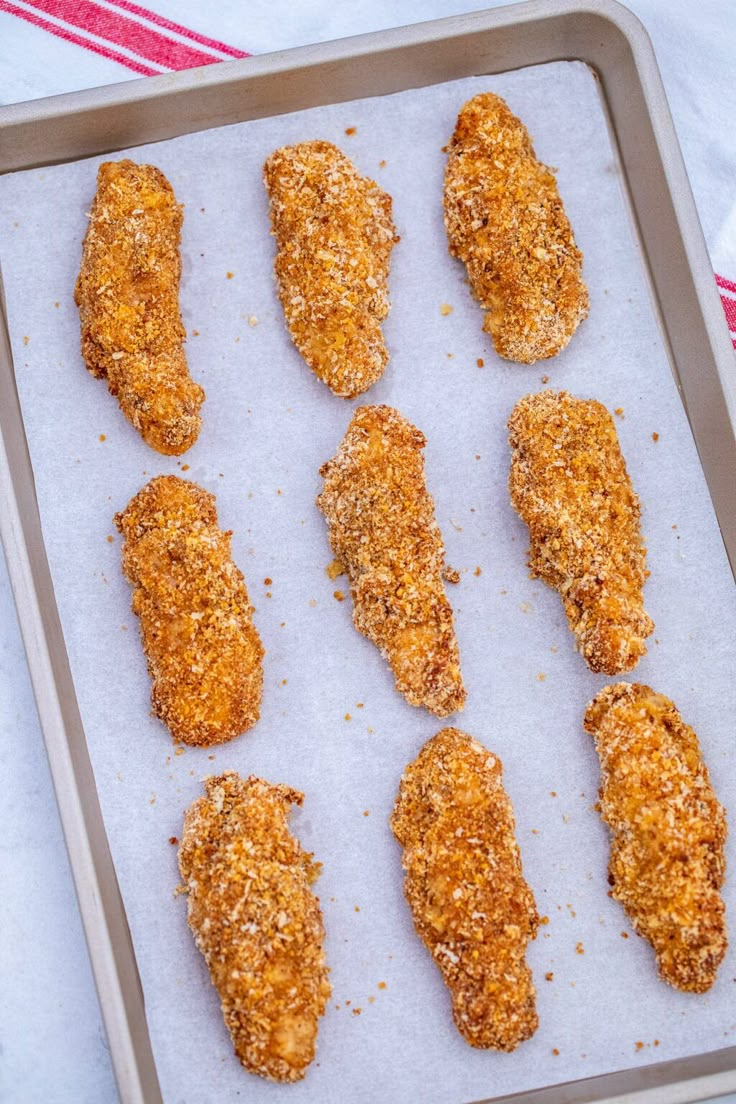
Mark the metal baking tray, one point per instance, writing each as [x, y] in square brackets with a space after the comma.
[613, 43]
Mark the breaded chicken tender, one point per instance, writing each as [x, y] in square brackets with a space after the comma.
[668, 831]
[471, 906]
[383, 531]
[204, 654]
[569, 484]
[257, 921]
[334, 234]
[128, 298]
[505, 221]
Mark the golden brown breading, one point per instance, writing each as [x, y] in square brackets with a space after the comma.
[204, 654]
[505, 221]
[128, 298]
[383, 530]
[668, 831]
[256, 921]
[569, 484]
[334, 234]
[464, 884]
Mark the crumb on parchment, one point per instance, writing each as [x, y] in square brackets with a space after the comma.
[334, 569]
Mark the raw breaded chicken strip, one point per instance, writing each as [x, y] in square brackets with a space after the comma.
[668, 831]
[128, 298]
[505, 221]
[383, 531]
[569, 484]
[465, 887]
[334, 234]
[204, 654]
[256, 921]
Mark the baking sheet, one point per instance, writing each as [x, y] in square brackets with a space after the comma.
[268, 425]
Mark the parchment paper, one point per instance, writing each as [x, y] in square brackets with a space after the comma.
[332, 724]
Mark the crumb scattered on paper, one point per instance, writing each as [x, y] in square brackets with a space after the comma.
[333, 569]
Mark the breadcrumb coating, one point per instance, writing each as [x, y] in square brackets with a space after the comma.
[471, 906]
[668, 831]
[383, 530]
[256, 921]
[505, 221]
[334, 233]
[128, 298]
[569, 484]
[204, 654]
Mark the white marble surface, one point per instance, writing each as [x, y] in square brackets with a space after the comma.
[53, 1044]
[53, 1049]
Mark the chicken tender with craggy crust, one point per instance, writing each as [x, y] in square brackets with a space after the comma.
[383, 531]
[257, 921]
[569, 484]
[505, 221]
[668, 831]
[471, 906]
[334, 234]
[204, 654]
[128, 298]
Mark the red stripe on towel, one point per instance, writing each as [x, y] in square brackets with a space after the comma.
[154, 17]
[78, 40]
[120, 30]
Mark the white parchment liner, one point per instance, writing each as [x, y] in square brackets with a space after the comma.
[268, 425]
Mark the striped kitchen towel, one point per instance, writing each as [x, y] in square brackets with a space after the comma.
[137, 38]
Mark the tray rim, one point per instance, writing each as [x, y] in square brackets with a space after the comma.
[103, 915]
